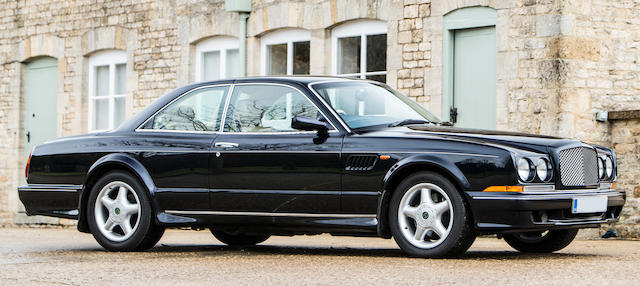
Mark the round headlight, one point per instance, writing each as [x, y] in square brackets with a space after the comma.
[608, 166]
[542, 169]
[525, 170]
[600, 168]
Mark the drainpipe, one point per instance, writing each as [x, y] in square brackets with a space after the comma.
[243, 7]
[242, 34]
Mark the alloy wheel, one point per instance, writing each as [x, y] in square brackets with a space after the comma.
[425, 215]
[117, 211]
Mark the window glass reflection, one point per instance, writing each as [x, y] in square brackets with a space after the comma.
[349, 55]
[301, 52]
[376, 53]
[266, 108]
[197, 111]
[211, 65]
[277, 59]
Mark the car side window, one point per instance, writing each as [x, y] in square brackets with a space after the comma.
[200, 110]
[266, 108]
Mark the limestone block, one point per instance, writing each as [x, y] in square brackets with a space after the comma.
[547, 25]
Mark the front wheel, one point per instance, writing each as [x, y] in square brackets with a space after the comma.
[239, 239]
[429, 217]
[541, 242]
[119, 214]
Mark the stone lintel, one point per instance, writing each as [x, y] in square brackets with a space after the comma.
[623, 114]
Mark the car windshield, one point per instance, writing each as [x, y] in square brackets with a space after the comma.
[363, 104]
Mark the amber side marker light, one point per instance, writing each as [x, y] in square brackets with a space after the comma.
[512, 189]
[26, 168]
[385, 157]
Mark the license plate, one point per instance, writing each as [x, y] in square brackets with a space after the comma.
[594, 204]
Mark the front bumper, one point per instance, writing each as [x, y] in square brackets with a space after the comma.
[513, 212]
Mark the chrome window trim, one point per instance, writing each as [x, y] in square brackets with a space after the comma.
[177, 131]
[275, 133]
[228, 213]
[226, 108]
[327, 105]
[139, 128]
[224, 118]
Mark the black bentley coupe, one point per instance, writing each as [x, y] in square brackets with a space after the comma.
[254, 157]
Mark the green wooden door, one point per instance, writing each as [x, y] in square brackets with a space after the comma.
[474, 77]
[40, 102]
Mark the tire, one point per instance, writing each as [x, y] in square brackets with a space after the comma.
[540, 242]
[239, 239]
[119, 214]
[426, 199]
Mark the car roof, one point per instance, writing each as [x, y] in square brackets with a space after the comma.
[301, 79]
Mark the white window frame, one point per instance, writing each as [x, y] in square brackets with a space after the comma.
[361, 28]
[216, 44]
[109, 58]
[286, 36]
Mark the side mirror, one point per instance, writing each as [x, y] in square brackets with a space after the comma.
[308, 124]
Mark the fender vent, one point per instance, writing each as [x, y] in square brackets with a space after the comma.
[361, 162]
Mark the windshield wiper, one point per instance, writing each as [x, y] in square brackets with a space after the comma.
[408, 121]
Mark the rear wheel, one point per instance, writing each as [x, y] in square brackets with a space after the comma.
[429, 217]
[541, 242]
[120, 215]
[239, 239]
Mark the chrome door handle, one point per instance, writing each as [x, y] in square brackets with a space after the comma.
[226, 145]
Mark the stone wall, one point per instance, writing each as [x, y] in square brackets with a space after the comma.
[416, 50]
[159, 39]
[602, 72]
[559, 61]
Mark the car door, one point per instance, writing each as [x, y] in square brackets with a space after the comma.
[263, 167]
[176, 144]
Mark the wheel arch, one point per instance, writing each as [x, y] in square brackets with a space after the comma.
[109, 163]
[405, 168]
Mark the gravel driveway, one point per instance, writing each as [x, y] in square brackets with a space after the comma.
[67, 257]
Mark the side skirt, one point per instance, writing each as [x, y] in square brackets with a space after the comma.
[275, 223]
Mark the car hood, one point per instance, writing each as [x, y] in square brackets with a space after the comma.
[531, 142]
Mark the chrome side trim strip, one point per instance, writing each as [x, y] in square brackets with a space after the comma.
[420, 152]
[268, 214]
[538, 197]
[302, 152]
[50, 188]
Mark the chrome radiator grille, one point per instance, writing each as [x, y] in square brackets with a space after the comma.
[578, 167]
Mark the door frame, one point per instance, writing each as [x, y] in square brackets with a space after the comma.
[14, 203]
[465, 18]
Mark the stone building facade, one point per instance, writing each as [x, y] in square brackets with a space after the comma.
[557, 63]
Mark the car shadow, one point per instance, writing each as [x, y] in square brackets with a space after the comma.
[215, 250]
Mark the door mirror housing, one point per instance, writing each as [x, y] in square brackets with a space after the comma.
[308, 124]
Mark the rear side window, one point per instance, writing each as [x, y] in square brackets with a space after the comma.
[199, 110]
